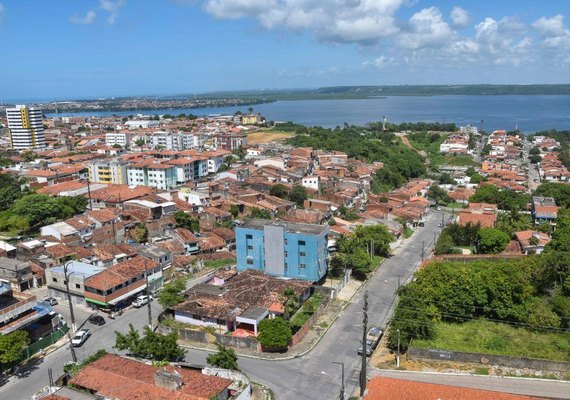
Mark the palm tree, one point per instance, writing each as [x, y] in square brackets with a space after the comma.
[290, 302]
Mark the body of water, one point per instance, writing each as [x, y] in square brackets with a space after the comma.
[528, 113]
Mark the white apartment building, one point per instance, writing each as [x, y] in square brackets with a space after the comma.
[122, 139]
[26, 127]
[160, 176]
[177, 141]
[312, 182]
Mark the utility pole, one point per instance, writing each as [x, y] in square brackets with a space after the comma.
[66, 277]
[423, 249]
[364, 355]
[398, 356]
[89, 193]
[341, 397]
[73, 355]
[149, 309]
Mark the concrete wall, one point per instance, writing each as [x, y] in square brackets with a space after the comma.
[234, 376]
[488, 359]
[239, 342]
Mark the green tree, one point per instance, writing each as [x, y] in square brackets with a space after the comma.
[559, 191]
[234, 210]
[39, 209]
[151, 345]
[290, 302]
[476, 178]
[140, 142]
[239, 152]
[11, 189]
[492, 241]
[186, 221]
[541, 316]
[347, 214]
[11, 347]
[535, 159]
[298, 194]
[438, 195]
[279, 190]
[172, 293]
[446, 179]
[535, 151]
[141, 233]
[260, 213]
[72, 205]
[225, 358]
[28, 155]
[274, 333]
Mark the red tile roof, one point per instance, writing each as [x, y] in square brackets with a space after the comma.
[120, 378]
[485, 220]
[382, 388]
[119, 273]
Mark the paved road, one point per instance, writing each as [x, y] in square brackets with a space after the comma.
[313, 376]
[35, 377]
[531, 387]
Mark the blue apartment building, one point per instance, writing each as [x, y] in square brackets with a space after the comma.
[284, 249]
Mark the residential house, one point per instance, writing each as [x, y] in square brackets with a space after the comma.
[116, 285]
[532, 242]
[17, 273]
[77, 272]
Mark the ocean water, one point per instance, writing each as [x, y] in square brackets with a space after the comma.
[527, 113]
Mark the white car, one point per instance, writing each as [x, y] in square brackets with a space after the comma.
[141, 301]
[80, 337]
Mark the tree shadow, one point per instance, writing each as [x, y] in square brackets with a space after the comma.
[25, 370]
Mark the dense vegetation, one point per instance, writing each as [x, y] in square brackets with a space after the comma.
[531, 293]
[367, 143]
[504, 198]
[151, 345]
[559, 191]
[358, 251]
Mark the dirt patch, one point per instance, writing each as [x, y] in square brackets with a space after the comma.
[261, 137]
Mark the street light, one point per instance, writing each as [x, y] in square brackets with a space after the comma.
[66, 276]
[398, 353]
[342, 381]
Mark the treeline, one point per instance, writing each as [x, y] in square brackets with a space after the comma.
[531, 292]
[366, 143]
[21, 210]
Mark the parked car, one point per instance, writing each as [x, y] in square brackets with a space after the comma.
[96, 320]
[439, 225]
[80, 337]
[372, 338]
[51, 301]
[115, 314]
[141, 301]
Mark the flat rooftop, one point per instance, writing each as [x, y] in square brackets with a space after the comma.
[309, 229]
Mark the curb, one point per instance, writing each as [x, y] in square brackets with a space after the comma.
[473, 375]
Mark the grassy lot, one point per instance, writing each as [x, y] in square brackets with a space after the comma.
[266, 136]
[408, 232]
[457, 206]
[435, 157]
[222, 262]
[304, 313]
[501, 339]
[376, 261]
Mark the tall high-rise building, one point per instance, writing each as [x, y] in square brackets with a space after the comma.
[26, 127]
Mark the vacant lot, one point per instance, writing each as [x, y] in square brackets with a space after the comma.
[501, 339]
[267, 136]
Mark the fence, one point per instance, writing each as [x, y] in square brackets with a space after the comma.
[300, 334]
[488, 359]
[196, 335]
[41, 344]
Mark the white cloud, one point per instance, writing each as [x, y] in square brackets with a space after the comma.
[89, 18]
[550, 26]
[356, 21]
[460, 17]
[426, 28]
[112, 7]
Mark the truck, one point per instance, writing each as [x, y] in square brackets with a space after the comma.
[372, 338]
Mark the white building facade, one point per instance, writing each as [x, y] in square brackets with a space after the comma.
[26, 127]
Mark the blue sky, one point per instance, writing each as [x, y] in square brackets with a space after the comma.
[97, 48]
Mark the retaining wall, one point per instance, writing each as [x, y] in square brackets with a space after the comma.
[488, 359]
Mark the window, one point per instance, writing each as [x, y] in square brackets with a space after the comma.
[301, 243]
[77, 286]
[54, 279]
[250, 261]
[285, 242]
[285, 253]
[302, 266]
[249, 247]
[302, 254]
[249, 237]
